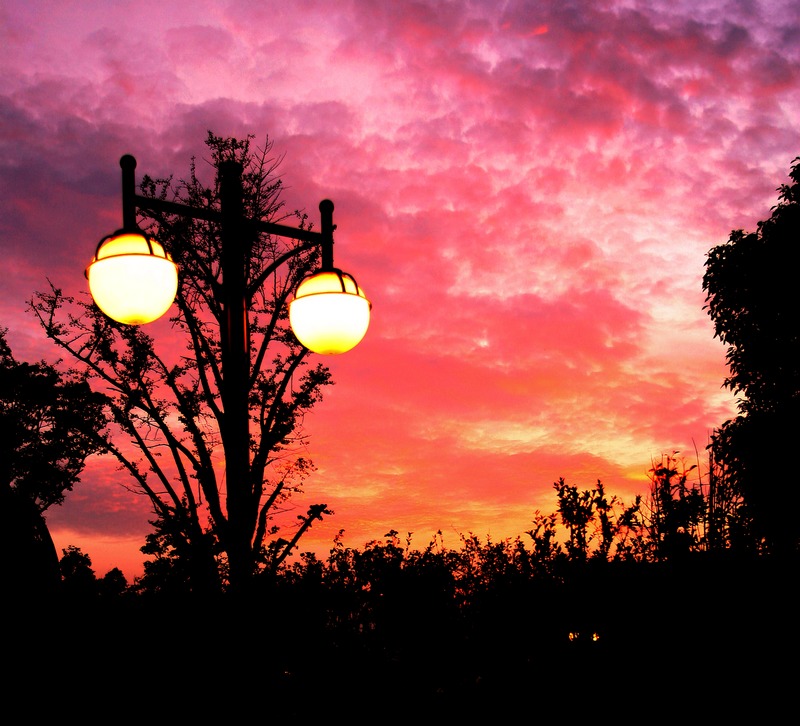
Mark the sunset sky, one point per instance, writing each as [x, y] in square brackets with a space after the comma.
[526, 190]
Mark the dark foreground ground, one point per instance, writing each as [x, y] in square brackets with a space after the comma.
[709, 648]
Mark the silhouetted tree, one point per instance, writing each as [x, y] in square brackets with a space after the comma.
[50, 422]
[80, 581]
[751, 284]
[576, 510]
[729, 525]
[113, 584]
[596, 527]
[547, 551]
[166, 399]
[169, 572]
[676, 518]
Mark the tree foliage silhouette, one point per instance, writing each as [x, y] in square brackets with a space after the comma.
[50, 422]
[750, 283]
[488, 619]
[165, 395]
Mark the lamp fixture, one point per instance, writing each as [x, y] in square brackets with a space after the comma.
[329, 313]
[133, 279]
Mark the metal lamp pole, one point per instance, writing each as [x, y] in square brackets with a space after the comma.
[235, 383]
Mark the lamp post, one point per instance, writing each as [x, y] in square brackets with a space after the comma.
[133, 280]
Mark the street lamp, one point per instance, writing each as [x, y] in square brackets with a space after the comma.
[133, 279]
[329, 314]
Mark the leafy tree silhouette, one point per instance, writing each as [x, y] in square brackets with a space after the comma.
[80, 581]
[677, 510]
[50, 423]
[751, 288]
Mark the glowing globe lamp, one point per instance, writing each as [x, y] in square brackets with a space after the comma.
[329, 313]
[132, 278]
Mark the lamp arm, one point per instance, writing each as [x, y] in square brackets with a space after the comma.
[132, 201]
[273, 266]
[214, 215]
[310, 238]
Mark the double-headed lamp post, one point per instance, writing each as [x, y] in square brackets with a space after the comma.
[133, 280]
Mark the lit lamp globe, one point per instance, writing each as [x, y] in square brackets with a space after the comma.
[132, 278]
[329, 313]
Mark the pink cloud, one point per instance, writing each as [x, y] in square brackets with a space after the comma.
[527, 195]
